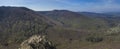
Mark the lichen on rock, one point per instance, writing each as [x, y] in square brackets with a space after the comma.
[37, 42]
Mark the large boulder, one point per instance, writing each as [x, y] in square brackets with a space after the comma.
[36, 42]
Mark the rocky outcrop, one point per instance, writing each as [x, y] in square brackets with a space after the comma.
[36, 42]
[114, 30]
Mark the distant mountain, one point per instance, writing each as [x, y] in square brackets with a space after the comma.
[91, 14]
[107, 14]
[77, 20]
[110, 17]
[115, 14]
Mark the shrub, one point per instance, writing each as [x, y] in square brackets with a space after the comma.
[94, 39]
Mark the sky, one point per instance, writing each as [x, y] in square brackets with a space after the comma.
[73, 5]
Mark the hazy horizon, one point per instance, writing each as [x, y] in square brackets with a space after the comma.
[72, 5]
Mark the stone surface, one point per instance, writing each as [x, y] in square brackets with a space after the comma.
[37, 42]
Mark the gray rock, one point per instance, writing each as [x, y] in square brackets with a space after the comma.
[37, 42]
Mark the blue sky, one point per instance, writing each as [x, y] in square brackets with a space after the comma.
[73, 5]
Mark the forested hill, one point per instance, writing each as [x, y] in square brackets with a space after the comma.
[19, 23]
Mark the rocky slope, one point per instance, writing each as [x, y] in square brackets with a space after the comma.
[19, 23]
